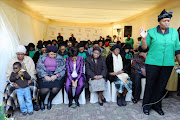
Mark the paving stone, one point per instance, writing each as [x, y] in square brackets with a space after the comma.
[109, 111]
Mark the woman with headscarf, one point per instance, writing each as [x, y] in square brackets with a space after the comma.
[51, 70]
[128, 54]
[75, 76]
[81, 52]
[10, 99]
[117, 73]
[163, 44]
[41, 51]
[31, 49]
[96, 71]
[62, 51]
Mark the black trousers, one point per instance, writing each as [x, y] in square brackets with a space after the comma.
[156, 80]
[137, 85]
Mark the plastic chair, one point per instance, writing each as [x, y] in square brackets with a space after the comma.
[58, 99]
[82, 98]
[114, 94]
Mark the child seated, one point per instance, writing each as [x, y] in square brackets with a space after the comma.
[22, 79]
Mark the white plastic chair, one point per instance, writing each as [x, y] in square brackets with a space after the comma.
[114, 94]
[82, 99]
[143, 84]
[106, 94]
[58, 99]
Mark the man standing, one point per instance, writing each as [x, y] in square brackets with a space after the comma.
[72, 39]
[59, 37]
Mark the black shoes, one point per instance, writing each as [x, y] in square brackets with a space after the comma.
[49, 105]
[24, 113]
[77, 103]
[159, 111]
[101, 104]
[36, 107]
[76, 99]
[104, 100]
[146, 112]
[30, 113]
[70, 103]
[42, 105]
[101, 101]
[123, 101]
[119, 102]
[135, 101]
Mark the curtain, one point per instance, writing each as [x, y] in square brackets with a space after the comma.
[8, 44]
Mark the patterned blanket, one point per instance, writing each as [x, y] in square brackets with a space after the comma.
[10, 97]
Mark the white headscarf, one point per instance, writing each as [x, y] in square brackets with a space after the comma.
[21, 49]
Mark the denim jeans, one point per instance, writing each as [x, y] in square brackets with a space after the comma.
[24, 99]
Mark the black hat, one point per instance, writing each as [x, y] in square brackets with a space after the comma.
[97, 48]
[80, 45]
[95, 42]
[40, 46]
[127, 46]
[31, 45]
[52, 49]
[165, 14]
[115, 46]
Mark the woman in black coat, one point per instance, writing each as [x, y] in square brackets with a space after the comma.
[96, 71]
[118, 73]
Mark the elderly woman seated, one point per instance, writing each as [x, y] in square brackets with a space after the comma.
[10, 99]
[117, 73]
[75, 76]
[96, 72]
[51, 70]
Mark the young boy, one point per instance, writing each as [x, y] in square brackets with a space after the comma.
[22, 79]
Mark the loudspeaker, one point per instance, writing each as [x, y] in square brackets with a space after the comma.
[127, 31]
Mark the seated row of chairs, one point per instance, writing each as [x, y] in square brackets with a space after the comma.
[109, 94]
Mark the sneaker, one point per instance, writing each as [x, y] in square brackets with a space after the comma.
[24, 113]
[30, 113]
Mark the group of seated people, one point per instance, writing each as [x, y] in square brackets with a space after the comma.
[52, 65]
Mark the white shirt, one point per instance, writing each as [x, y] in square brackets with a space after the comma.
[74, 74]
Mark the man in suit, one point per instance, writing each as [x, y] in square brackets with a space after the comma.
[72, 39]
[59, 37]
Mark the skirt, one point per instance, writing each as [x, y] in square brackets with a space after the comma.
[57, 83]
[120, 85]
[97, 85]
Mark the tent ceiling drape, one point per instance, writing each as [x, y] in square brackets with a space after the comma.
[90, 11]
